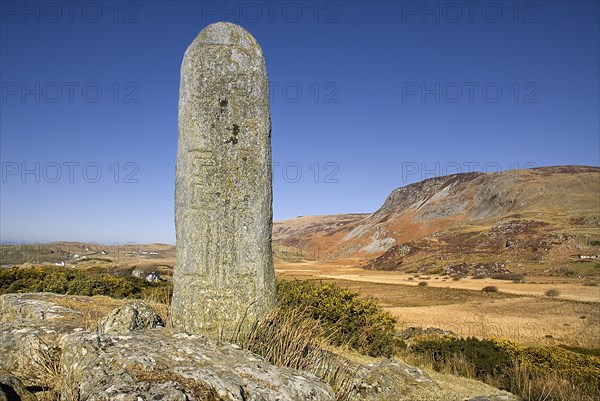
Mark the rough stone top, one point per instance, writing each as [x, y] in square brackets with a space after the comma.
[226, 34]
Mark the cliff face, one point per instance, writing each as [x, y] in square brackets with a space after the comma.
[558, 208]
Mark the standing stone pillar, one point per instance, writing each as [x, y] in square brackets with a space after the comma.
[224, 278]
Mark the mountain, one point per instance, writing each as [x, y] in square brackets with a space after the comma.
[545, 217]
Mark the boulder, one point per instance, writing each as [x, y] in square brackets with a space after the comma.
[30, 330]
[33, 306]
[160, 364]
[393, 380]
[130, 317]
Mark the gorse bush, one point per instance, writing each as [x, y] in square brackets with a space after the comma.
[346, 319]
[62, 280]
[582, 371]
[487, 358]
[534, 373]
[508, 276]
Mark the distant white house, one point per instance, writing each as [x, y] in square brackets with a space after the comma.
[152, 277]
[62, 264]
[137, 273]
[588, 256]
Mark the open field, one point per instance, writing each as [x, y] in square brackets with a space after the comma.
[518, 311]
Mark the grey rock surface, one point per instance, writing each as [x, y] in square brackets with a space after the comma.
[393, 380]
[159, 364]
[386, 380]
[33, 306]
[31, 326]
[224, 277]
[12, 389]
[130, 317]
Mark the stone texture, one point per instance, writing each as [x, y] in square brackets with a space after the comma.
[130, 317]
[12, 389]
[498, 397]
[223, 277]
[393, 380]
[158, 364]
[31, 326]
[33, 306]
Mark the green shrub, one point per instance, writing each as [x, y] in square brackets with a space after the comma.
[580, 370]
[583, 351]
[62, 280]
[535, 373]
[490, 288]
[346, 319]
[508, 276]
[488, 359]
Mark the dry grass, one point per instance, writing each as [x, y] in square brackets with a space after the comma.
[518, 311]
[95, 308]
[526, 320]
[457, 366]
[44, 373]
[199, 390]
[286, 338]
[91, 308]
[552, 293]
[292, 339]
[529, 385]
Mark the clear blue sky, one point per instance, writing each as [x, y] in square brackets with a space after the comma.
[371, 95]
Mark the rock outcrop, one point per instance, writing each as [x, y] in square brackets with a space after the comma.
[31, 325]
[132, 316]
[126, 362]
[159, 363]
[392, 380]
[43, 343]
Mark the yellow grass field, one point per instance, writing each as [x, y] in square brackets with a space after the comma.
[518, 311]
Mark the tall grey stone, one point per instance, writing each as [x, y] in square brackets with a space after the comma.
[224, 278]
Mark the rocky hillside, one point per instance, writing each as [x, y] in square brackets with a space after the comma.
[546, 216]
